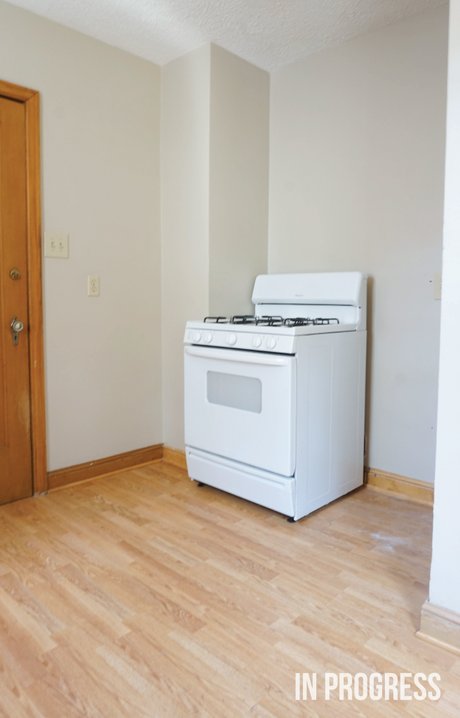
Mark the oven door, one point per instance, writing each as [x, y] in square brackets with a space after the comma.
[241, 405]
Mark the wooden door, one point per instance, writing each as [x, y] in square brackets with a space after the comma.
[15, 434]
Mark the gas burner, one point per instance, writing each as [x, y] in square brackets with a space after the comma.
[269, 321]
[306, 321]
[217, 320]
[243, 319]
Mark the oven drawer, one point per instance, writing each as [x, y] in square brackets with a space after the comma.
[241, 405]
[264, 488]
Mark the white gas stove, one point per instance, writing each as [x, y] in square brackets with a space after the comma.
[274, 402]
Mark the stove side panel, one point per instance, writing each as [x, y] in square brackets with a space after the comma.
[330, 418]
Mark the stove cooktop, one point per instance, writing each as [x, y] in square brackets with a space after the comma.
[272, 333]
[287, 309]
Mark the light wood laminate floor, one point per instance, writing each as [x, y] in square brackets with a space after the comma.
[143, 595]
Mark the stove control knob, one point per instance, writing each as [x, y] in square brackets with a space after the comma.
[208, 337]
[231, 339]
[271, 343]
[196, 337]
[256, 342]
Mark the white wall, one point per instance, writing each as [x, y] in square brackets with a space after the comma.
[214, 200]
[356, 183]
[185, 119]
[238, 188]
[445, 576]
[100, 183]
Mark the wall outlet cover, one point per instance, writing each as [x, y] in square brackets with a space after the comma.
[93, 286]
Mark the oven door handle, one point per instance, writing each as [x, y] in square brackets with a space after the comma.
[238, 355]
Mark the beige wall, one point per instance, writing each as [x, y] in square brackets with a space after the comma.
[185, 87]
[238, 192]
[356, 168]
[100, 183]
[214, 200]
[445, 577]
[356, 183]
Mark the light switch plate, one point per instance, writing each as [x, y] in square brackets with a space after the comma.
[93, 286]
[57, 245]
[437, 285]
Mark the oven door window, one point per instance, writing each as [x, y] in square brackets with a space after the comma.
[241, 405]
[238, 392]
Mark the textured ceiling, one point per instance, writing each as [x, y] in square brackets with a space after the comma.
[268, 33]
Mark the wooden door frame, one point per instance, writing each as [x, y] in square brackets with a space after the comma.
[31, 100]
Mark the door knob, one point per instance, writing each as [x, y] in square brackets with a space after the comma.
[16, 327]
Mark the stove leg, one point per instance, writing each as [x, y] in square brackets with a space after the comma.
[200, 484]
[291, 519]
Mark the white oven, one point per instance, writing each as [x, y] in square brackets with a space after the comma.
[274, 403]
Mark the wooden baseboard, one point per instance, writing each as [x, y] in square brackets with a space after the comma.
[440, 626]
[101, 467]
[392, 484]
[419, 491]
[175, 457]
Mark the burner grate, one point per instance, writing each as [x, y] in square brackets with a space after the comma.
[217, 320]
[272, 321]
[267, 321]
[243, 319]
[321, 321]
[306, 321]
